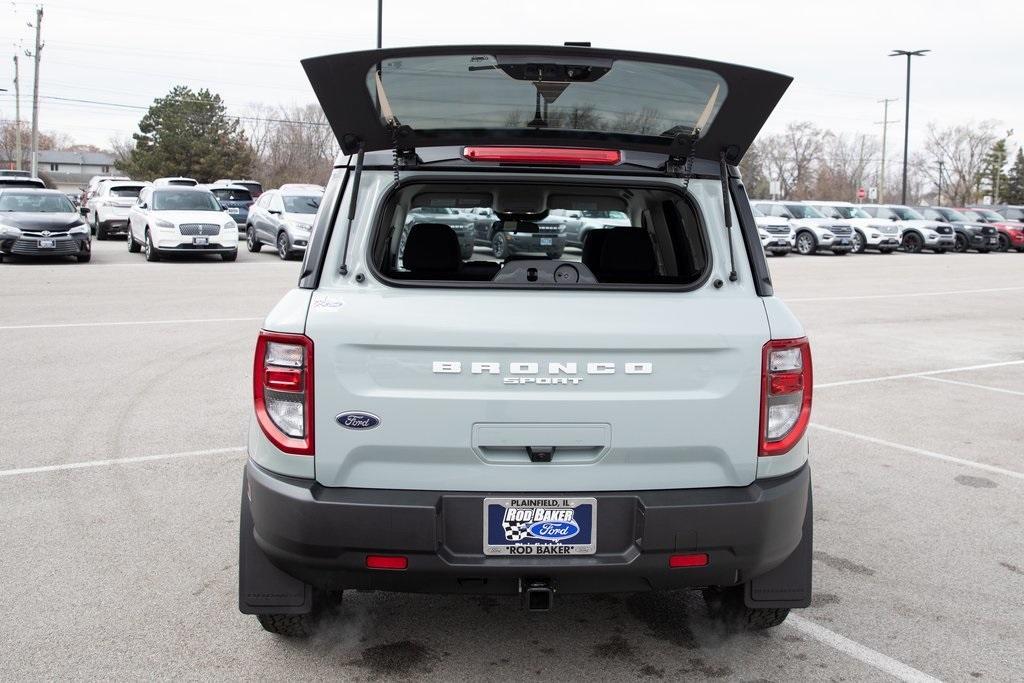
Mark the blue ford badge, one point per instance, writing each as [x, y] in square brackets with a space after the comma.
[555, 531]
[358, 420]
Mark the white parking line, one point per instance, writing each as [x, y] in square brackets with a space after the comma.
[862, 653]
[862, 297]
[921, 451]
[117, 461]
[926, 373]
[973, 385]
[125, 323]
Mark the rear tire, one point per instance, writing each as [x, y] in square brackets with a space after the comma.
[727, 606]
[133, 246]
[84, 258]
[499, 245]
[860, 244]
[1004, 243]
[284, 247]
[303, 625]
[230, 256]
[961, 244]
[101, 233]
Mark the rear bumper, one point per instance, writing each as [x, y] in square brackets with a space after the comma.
[532, 243]
[321, 537]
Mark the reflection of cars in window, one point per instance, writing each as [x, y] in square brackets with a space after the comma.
[594, 220]
[462, 223]
[36, 222]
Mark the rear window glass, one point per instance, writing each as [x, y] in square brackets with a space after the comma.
[516, 91]
[526, 235]
[125, 191]
[230, 195]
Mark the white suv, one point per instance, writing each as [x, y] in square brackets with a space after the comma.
[107, 209]
[917, 232]
[813, 230]
[181, 220]
[625, 418]
[868, 232]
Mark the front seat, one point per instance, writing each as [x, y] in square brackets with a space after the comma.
[627, 255]
[431, 252]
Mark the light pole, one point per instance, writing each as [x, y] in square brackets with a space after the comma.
[906, 114]
[380, 21]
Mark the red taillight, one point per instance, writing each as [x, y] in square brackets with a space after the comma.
[786, 388]
[688, 560]
[386, 562]
[282, 385]
[544, 155]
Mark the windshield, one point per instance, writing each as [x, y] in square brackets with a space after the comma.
[35, 203]
[254, 188]
[757, 212]
[231, 195]
[951, 215]
[803, 211]
[849, 212]
[301, 203]
[125, 191]
[189, 200]
[990, 215]
[905, 213]
[516, 91]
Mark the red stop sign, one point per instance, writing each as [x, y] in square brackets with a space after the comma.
[861, 193]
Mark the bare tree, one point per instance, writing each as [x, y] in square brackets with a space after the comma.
[291, 144]
[846, 164]
[962, 149]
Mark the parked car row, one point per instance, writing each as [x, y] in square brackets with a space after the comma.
[841, 228]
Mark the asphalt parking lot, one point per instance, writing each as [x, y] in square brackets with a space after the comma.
[124, 405]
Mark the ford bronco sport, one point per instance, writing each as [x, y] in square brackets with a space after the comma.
[630, 416]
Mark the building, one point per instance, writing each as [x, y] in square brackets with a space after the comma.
[69, 171]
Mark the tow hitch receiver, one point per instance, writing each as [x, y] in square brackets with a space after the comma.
[538, 595]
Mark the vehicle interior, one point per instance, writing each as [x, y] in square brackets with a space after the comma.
[664, 245]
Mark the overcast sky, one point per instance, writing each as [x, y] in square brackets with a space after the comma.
[124, 53]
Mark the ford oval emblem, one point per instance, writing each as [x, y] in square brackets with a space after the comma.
[555, 531]
[358, 420]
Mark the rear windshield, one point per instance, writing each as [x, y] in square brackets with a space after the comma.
[184, 201]
[301, 204]
[516, 91]
[125, 191]
[254, 188]
[230, 195]
[35, 202]
[532, 235]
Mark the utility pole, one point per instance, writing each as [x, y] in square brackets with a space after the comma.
[906, 115]
[17, 117]
[938, 199]
[885, 129]
[35, 92]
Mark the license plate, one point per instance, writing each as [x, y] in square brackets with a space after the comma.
[232, 210]
[47, 244]
[781, 243]
[842, 242]
[540, 526]
[545, 241]
[200, 241]
[993, 240]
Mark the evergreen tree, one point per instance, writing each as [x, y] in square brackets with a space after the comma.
[189, 133]
[1014, 193]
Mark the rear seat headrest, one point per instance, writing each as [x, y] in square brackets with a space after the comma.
[431, 247]
[627, 250]
[592, 245]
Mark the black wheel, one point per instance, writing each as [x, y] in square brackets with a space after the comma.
[499, 245]
[284, 247]
[1020, 250]
[230, 256]
[961, 244]
[1004, 243]
[806, 244]
[101, 232]
[84, 258]
[859, 243]
[303, 625]
[912, 243]
[93, 223]
[152, 253]
[727, 606]
[133, 246]
[253, 244]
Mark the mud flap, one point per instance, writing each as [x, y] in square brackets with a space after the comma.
[789, 584]
[262, 587]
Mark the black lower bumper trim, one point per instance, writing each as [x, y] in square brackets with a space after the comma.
[321, 537]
